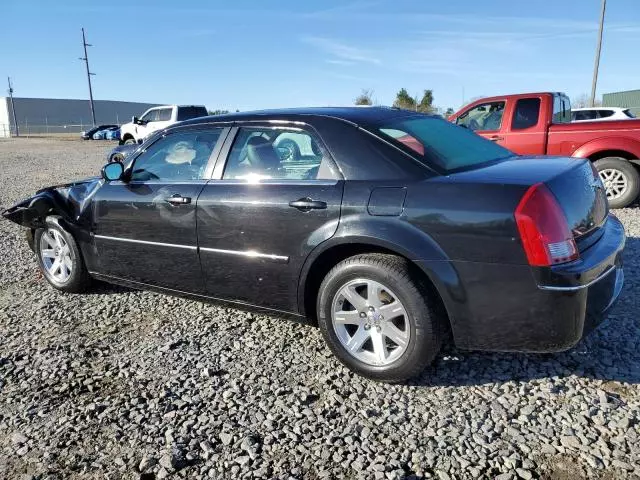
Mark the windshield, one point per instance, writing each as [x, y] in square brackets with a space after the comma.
[442, 144]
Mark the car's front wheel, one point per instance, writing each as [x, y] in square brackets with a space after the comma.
[621, 180]
[378, 319]
[59, 258]
[129, 141]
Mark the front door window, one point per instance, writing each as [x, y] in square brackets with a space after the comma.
[483, 117]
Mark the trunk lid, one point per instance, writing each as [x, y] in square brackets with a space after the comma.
[572, 181]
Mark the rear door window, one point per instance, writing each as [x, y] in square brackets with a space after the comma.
[605, 113]
[526, 113]
[266, 153]
[483, 117]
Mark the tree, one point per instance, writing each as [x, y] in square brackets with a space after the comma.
[404, 100]
[407, 102]
[365, 98]
[583, 101]
[450, 111]
[218, 112]
[426, 104]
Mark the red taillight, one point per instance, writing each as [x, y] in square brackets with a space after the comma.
[543, 228]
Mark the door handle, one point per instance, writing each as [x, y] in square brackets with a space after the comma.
[306, 204]
[496, 138]
[178, 199]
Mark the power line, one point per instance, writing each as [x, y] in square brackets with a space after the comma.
[86, 61]
[13, 108]
[599, 47]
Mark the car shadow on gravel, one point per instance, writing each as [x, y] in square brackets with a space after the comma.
[609, 354]
[103, 288]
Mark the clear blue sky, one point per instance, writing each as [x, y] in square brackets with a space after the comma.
[249, 54]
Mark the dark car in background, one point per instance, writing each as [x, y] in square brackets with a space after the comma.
[387, 228]
[90, 134]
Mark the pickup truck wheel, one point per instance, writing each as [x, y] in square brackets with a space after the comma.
[377, 319]
[621, 180]
[129, 141]
[59, 258]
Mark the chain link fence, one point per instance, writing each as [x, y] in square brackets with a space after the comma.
[43, 128]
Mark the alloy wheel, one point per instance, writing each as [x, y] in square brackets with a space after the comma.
[615, 182]
[370, 322]
[56, 255]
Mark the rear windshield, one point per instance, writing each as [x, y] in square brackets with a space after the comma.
[442, 144]
[186, 113]
[628, 113]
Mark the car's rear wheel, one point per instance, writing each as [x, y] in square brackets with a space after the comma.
[621, 180]
[59, 258]
[129, 141]
[377, 318]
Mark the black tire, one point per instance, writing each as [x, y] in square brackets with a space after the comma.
[129, 141]
[626, 168]
[426, 328]
[79, 278]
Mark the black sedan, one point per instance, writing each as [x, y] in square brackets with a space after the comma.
[389, 229]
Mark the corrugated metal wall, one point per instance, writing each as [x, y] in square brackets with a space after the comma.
[629, 99]
[57, 115]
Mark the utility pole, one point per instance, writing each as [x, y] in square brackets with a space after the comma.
[13, 109]
[597, 62]
[86, 61]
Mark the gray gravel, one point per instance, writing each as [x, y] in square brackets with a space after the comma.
[125, 384]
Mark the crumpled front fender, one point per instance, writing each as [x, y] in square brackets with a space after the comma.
[69, 201]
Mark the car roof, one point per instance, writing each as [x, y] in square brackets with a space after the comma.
[354, 115]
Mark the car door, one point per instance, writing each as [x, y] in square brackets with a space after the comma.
[527, 134]
[143, 127]
[162, 120]
[267, 206]
[486, 119]
[145, 225]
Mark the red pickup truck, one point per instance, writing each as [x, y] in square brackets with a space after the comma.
[540, 124]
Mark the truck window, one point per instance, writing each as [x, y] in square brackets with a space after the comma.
[561, 109]
[526, 114]
[186, 113]
[164, 114]
[484, 117]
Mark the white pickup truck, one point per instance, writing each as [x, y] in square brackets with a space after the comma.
[157, 118]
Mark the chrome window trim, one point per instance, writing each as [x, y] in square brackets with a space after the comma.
[577, 288]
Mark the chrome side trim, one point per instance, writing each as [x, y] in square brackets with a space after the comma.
[248, 254]
[578, 287]
[145, 242]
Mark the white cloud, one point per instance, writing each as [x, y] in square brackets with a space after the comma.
[342, 51]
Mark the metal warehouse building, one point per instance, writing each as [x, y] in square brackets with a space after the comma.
[628, 99]
[38, 116]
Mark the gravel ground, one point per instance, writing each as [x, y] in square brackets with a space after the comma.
[125, 384]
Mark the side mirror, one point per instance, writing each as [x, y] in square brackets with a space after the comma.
[112, 171]
[134, 119]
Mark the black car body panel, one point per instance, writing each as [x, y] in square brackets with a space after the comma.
[250, 245]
